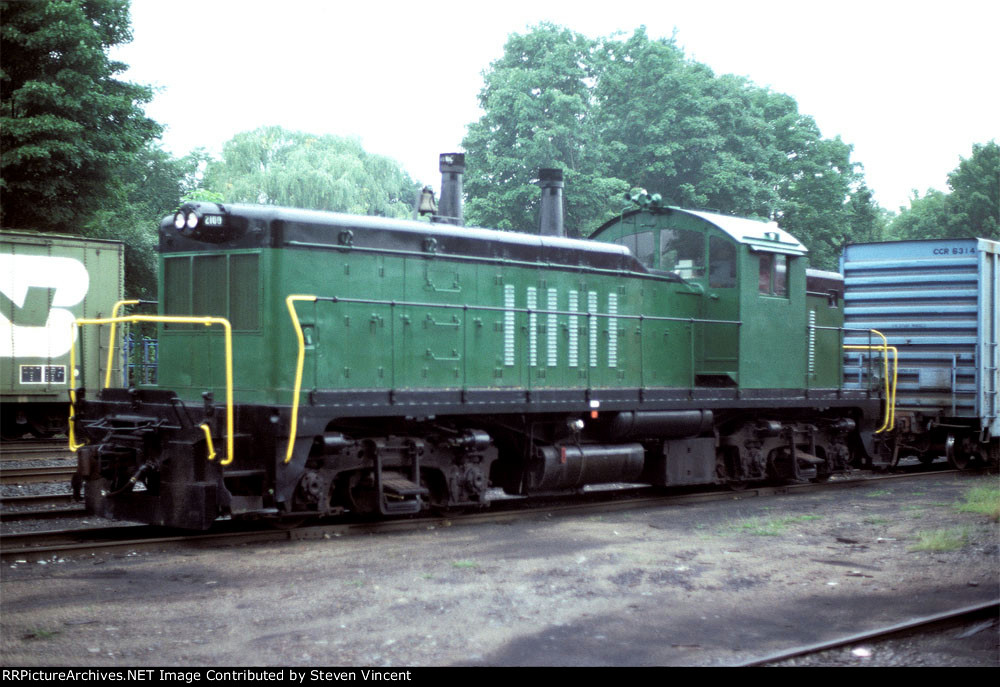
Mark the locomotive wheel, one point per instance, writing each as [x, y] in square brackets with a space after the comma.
[957, 456]
[960, 461]
[887, 456]
[438, 496]
[360, 493]
[39, 433]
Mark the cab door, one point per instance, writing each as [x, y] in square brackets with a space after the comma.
[719, 365]
[773, 334]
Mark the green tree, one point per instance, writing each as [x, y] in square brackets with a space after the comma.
[635, 112]
[537, 106]
[866, 219]
[67, 125]
[926, 218]
[971, 209]
[975, 194]
[146, 187]
[273, 166]
[671, 126]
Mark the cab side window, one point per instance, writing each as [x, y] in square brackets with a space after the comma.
[644, 251]
[773, 275]
[721, 263]
[781, 276]
[640, 245]
[683, 251]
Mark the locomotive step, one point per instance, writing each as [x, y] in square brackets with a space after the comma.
[402, 487]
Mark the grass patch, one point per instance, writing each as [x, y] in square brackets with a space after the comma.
[769, 527]
[876, 520]
[878, 492]
[941, 540]
[39, 633]
[982, 500]
[464, 564]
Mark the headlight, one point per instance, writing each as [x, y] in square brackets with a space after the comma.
[204, 221]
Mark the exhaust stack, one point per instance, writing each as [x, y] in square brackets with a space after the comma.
[551, 210]
[452, 166]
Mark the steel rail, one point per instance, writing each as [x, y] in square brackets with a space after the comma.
[76, 511]
[34, 475]
[868, 635]
[34, 500]
[61, 453]
[19, 547]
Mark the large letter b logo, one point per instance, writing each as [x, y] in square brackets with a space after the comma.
[68, 279]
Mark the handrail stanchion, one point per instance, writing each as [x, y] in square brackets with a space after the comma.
[298, 369]
[111, 339]
[207, 321]
[889, 423]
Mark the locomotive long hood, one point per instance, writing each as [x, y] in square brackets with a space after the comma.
[257, 226]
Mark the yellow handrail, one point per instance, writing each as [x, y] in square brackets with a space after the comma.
[208, 440]
[73, 446]
[111, 341]
[298, 368]
[207, 321]
[890, 391]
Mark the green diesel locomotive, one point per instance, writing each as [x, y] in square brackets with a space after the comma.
[313, 363]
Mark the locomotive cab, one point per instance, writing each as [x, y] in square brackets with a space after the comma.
[750, 279]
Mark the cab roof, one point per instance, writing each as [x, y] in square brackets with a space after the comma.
[760, 236]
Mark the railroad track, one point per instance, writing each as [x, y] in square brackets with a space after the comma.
[37, 501]
[33, 450]
[46, 545]
[45, 506]
[986, 612]
[35, 475]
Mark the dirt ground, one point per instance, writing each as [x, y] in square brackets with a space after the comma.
[698, 585]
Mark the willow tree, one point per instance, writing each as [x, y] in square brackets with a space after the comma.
[273, 166]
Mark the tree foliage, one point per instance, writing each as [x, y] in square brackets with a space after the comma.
[629, 112]
[538, 107]
[273, 166]
[146, 187]
[67, 125]
[971, 209]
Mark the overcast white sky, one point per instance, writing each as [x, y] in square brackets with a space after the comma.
[910, 84]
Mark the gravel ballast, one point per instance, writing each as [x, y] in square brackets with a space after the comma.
[704, 584]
